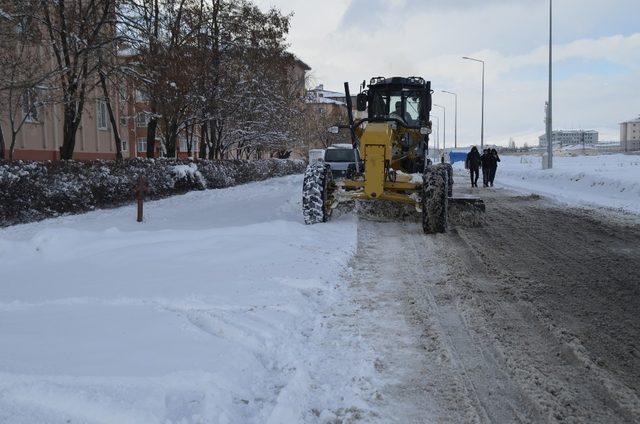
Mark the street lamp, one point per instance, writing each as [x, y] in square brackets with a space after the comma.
[549, 103]
[444, 126]
[456, 117]
[437, 131]
[482, 123]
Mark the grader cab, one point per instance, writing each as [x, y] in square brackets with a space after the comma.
[393, 141]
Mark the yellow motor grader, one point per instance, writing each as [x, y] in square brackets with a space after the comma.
[393, 142]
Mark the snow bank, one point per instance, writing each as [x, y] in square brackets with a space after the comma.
[204, 313]
[611, 181]
[35, 190]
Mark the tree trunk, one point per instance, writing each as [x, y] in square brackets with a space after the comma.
[12, 147]
[204, 135]
[190, 141]
[2, 145]
[172, 138]
[112, 118]
[213, 149]
[152, 127]
[69, 131]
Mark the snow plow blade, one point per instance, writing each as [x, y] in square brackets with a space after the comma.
[466, 211]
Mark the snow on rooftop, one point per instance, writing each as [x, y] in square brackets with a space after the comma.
[325, 100]
[320, 91]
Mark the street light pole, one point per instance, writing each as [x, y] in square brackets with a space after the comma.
[549, 103]
[482, 112]
[455, 128]
[444, 126]
[437, 131]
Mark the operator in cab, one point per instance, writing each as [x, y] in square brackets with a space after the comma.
[399, 115]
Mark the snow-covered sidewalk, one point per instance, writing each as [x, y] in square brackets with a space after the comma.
[204, 313]
[609, 181]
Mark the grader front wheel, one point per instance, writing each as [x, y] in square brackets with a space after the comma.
[316, 193]
[435, 194]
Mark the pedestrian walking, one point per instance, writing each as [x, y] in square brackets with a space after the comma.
[472, 163]
[485, 161]
[493, 165]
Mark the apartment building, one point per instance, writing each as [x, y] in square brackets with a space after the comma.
[630, 135]
[570, 137]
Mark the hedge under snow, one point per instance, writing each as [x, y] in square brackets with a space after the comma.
[31, 191]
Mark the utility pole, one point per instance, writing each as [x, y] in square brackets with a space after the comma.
[444, 126]
[482, 110]
[549, 102]
[455, 128]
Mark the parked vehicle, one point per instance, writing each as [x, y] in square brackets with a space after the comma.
[340, 157]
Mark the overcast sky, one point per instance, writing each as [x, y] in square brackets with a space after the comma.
[597, 57]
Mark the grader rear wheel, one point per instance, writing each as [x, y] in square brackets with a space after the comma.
[435, 199]
[316, 194]
[449, 172]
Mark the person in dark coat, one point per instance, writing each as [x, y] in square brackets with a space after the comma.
[493, 165]
[473, 165]
[485, 161]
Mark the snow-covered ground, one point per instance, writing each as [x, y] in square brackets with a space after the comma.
[610, 181]
[211, 311]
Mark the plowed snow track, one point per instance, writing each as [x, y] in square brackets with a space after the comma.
[531, 318]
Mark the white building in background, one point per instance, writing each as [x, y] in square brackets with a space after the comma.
[570, 137]
[320, 95]
[630, 135]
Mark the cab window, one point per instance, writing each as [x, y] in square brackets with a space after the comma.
[413, 108]
[380, 105]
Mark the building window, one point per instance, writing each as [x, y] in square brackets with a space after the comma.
[142, 119]
[101, 115]
[29, 104]
[123, 120]
[124, 146]
[142, 145]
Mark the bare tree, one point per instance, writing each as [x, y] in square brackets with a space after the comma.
[75, 31]
[220, 65]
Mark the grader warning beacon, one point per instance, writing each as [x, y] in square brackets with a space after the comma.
[393, 142]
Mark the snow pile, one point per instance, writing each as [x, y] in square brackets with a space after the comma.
[189, 174]
[208, 312]
[611, 181]
[35, 190]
